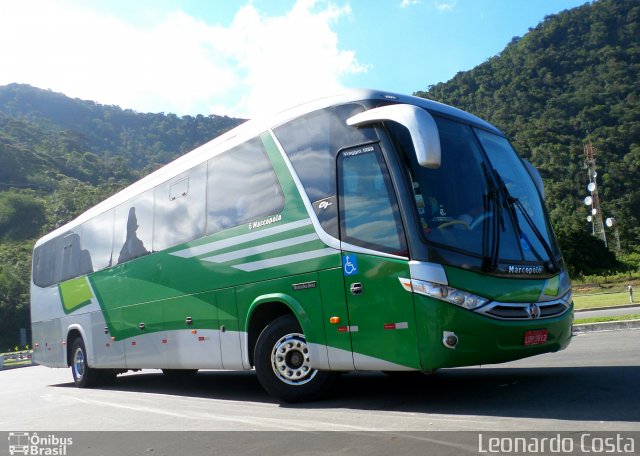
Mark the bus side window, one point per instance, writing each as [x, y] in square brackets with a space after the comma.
[242, 187]
[71, 252]
[312, 143]
[133, 229]
[44, 260]
[369, 214]
[180, 209]
[97, 243]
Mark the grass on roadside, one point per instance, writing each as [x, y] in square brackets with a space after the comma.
[580, 321]
[601, 300]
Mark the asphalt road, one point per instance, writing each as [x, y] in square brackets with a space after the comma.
[612, 311]
[593, 385]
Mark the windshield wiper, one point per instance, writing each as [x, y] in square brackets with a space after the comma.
[512, 203]
[492, 206]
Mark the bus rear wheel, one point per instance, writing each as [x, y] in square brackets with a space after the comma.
[83, 375]
[283, 366]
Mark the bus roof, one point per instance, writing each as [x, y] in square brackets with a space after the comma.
[251, 129]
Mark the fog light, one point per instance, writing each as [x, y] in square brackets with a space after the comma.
[449, 339]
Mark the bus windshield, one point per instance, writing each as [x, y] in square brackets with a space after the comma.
[520, 187]
[467, 204]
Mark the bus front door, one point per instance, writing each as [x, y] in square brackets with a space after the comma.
[374, 251]
[381, 315]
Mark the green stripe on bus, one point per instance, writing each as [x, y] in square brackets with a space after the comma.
[75, 293]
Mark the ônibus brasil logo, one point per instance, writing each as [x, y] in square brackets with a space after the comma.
[33, 444]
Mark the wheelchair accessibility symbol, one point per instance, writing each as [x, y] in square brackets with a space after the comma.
[349, 265]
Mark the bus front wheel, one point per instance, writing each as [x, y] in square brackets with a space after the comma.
[283, 365]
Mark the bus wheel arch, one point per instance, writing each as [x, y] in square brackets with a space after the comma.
[282, 363]
[72, 335]
[262, 312]
[84, 376]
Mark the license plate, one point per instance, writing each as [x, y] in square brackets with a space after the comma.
[536, 337]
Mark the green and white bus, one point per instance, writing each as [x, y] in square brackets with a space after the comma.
[365, 231]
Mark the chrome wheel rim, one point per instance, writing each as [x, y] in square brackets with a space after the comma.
[78, 363]
[290, 360]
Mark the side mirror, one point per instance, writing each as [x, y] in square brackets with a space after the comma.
[421, 126]
[535, 175]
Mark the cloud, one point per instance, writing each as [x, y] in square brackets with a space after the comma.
[178, 63]
[283, 60]
[444, 6]
[408, 3]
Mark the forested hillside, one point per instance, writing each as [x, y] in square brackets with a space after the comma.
[575, 77]
[59, 156]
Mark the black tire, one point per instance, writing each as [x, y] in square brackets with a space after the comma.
[83, 375]
[410, 376]
[106, 376]
[173, 373]
[411, 373]
[282, 363]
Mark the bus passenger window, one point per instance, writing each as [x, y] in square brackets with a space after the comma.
[133, 247]
[44, 260]
[97, 239]
[71, 254]
[242, 187]
[179, 189]
[133, 229]
[312, 143]
[180, 209]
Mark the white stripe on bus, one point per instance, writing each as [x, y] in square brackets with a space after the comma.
[243, 238]
[243, 253]
[287, 259]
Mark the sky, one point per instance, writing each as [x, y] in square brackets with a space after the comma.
[246, 58]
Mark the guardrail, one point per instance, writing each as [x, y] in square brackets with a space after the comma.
[16, 359]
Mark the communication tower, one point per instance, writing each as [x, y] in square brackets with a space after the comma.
[595, 217]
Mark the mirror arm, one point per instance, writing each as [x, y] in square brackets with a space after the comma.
[421, 126]
[535, 176]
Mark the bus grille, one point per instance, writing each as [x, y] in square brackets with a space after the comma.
[525, 311]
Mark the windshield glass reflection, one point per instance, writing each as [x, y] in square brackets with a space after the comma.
[520, 186]
[469, 203]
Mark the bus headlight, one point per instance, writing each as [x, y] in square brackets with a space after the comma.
[448, 294]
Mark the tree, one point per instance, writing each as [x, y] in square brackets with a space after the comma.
[21, 215]
[585, 254]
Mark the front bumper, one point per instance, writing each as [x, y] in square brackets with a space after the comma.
[481, 339]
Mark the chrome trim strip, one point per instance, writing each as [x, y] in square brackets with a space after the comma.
[345, 246]
[428, 272]
[565, 301]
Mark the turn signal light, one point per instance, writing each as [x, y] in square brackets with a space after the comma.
[334, 320]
